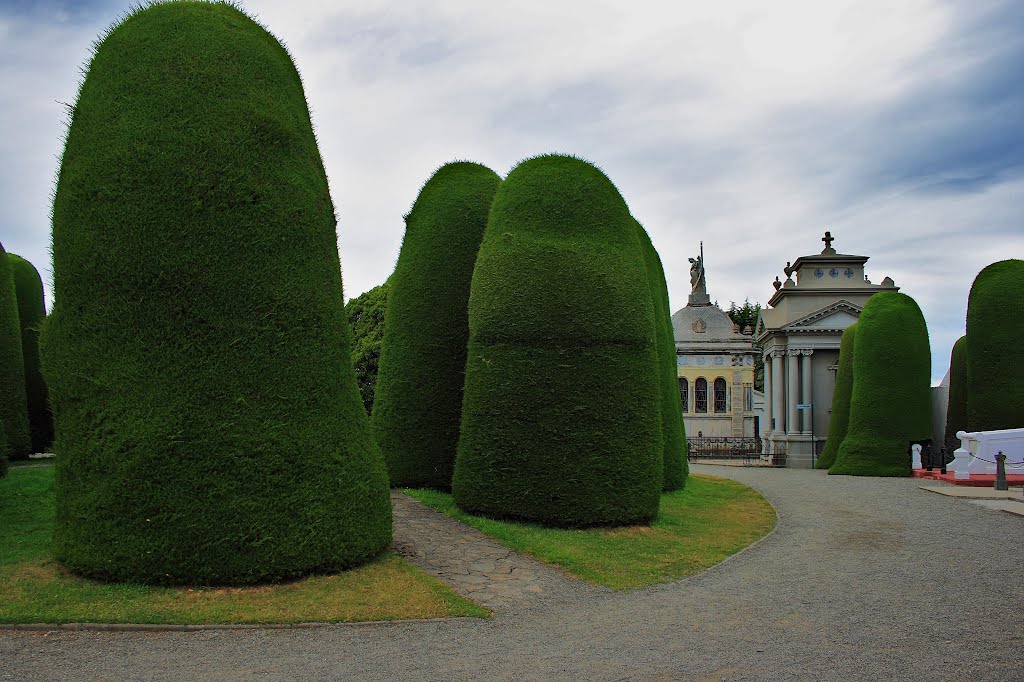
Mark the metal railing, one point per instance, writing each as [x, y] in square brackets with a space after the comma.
[723, 447]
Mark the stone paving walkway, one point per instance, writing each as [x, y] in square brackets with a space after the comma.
[474, 565]
[864, 579]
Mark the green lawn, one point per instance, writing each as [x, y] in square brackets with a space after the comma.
[696, 528]
[35, 589]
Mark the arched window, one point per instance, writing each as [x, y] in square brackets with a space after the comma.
[700, 395]
[684, 395]
[719, 394]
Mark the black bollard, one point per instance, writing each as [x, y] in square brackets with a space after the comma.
[1001, 472]
[943, 451]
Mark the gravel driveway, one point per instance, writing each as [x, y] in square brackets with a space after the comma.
[864, 579]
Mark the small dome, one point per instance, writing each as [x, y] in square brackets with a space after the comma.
[703, 324]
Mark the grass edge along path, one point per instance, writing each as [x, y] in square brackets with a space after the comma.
[696, 528]
[34, 588]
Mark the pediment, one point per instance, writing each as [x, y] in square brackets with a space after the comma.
[838, 315]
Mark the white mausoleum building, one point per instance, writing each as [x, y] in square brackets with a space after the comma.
[798, 334]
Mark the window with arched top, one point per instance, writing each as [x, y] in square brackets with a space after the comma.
[719, 394]
[684, 395]
[700, 395]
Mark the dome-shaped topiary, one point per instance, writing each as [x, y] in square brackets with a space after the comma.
[839, 419]
[208, 425]
[418, 401]
[4, 451]
[956, 407]
[561, 415]
[13, 401]
[890, 404]
[31, 312]
[673, 429]
[995, 354]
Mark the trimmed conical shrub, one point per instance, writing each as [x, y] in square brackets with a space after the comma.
[418, 402]
[673, 430]
[956, 407]
[995, 354]
[31, 312]
[839, 419]
[208, 425]
[561, 414]
[13, 402]
[890, 404]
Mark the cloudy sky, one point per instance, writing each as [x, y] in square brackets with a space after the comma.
[753, 126]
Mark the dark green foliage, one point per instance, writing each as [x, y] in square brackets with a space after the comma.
[746, 317]
[32, 311]
[839, 419]
[562, 412]
[995, 354]
[4, 452]
[676, 467]
[366, 318]
[208, 425]
[13, 402]
[956, 408]
[890, 403]
[418, 404]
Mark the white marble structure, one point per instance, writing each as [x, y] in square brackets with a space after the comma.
[798, 334]
[978, 449]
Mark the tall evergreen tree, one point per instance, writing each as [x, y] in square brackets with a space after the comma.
[995, 354]
[890, 403]
[562, 413]
[839, 419]
[208, 425]
[13, 401]
[418, 401]
[31, 312]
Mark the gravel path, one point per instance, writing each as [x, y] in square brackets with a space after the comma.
[844, 589]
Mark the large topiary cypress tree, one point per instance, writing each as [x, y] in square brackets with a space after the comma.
[839, 419]
[673, 430]
[4, 451]
[208, 425]
[13, 402]
[418, 402]
[890, 403]
[31, 312]
[561, 415]
[956, 407]
[995, 354]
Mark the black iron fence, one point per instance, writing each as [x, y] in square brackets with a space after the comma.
[723, 447]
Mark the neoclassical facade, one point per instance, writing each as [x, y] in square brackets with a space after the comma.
[715, 366]
[798, 334]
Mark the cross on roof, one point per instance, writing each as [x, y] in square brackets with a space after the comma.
[828, 239]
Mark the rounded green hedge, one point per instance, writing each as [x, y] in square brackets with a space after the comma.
[673, 430]
[418, 402]
[839, 419]
[13, 401]
[890, 403]
[956, 408]
[995, 354]
[562, 412]
[208, 425]
[4, 452]
[32, 311]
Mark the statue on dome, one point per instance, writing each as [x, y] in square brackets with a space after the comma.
[698, 283]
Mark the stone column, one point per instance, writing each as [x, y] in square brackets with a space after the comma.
[768, 397]
[778, 408]
[805, 394]
[793, 387]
